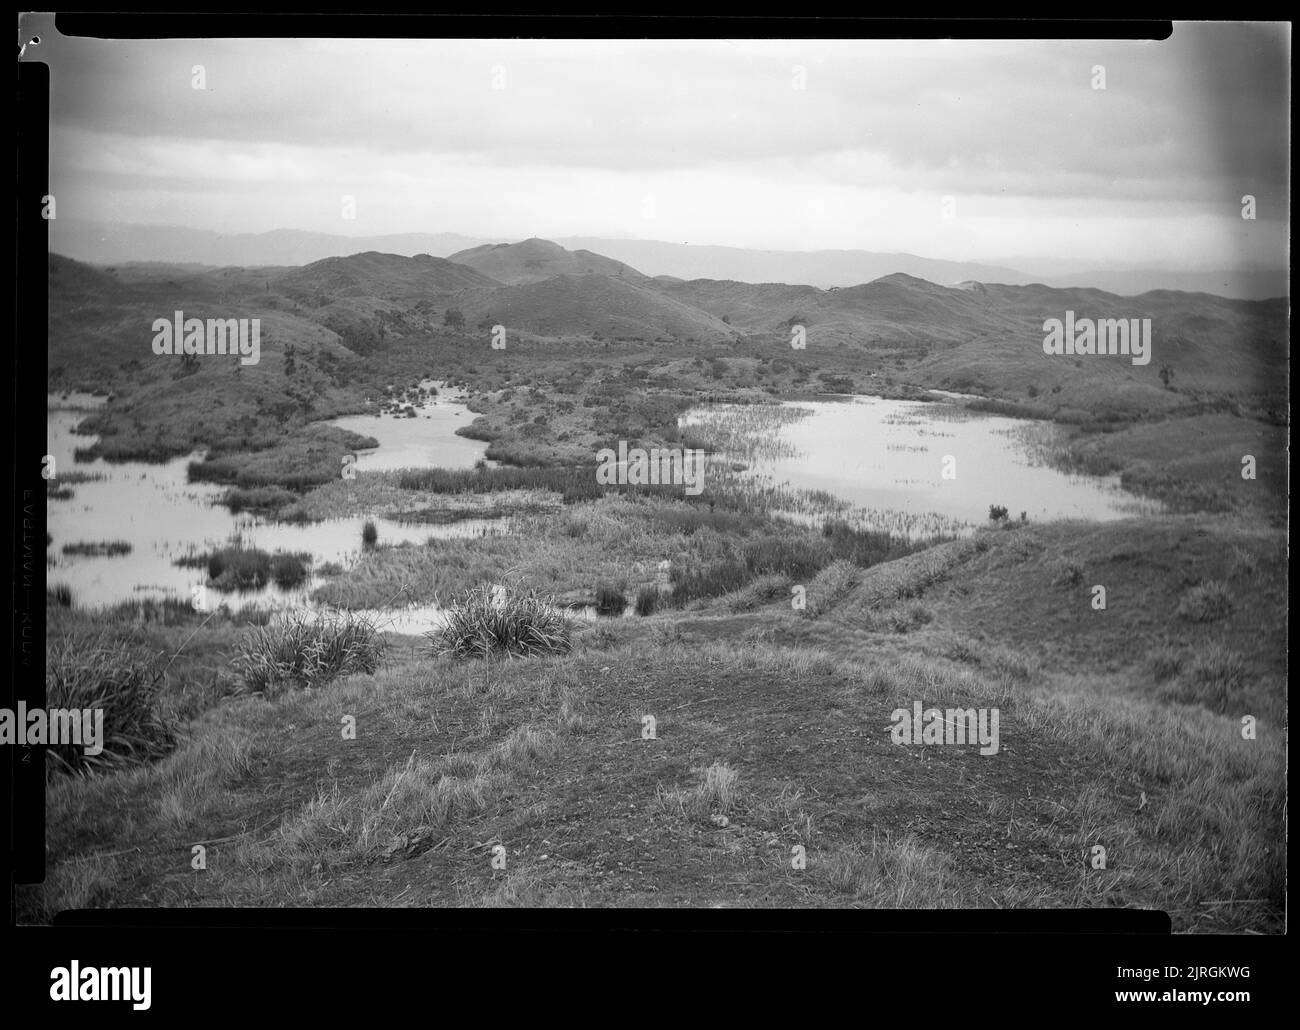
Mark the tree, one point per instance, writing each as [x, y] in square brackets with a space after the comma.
[454, 318]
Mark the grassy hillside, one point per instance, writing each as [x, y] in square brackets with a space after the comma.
[1118, 729]
[386, 276]
[534, 260]
[586, 306]
[591, 350]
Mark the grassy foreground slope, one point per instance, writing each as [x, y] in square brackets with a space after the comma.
[1119, 729]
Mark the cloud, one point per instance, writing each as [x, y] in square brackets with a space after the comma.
[580, 131]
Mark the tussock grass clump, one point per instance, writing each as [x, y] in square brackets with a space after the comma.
[904, 620]
[307, 649]
[610, 599]
[830, 587]
[122, 679]
[98, 548]
[289, 570]
[409, 802]
[884, 873]
[962, 649]
[164, 611]
[258, 498]
[1165, 662]
[1067, 572]
[1207, 602]
[59, 594]
[489, 621]
[712, 580]
[798, 559]
[1244, 563]
[1215, 678]
[867, 547]
[762, 590]
[688, 518]
[239, 568]
[647, 600]
[711, 801]
[582, 481]
[246, 568]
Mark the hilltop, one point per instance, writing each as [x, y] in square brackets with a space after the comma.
[386, 276]
[534, 260]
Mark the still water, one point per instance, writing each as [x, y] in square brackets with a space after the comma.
[164, 517]
[889, 458]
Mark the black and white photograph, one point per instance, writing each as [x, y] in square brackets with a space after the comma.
[644, 472]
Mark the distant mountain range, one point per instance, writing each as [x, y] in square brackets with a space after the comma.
[105, 243]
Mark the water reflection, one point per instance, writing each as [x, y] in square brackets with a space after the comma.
[163, 517]
[890, 456]
[428, 440]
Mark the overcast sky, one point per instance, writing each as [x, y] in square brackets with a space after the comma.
[699, 142]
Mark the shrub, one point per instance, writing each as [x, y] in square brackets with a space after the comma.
[1206, 602]
[307, 649]
[121, 679]
[997, 512]
[369, 534]
[514, 622]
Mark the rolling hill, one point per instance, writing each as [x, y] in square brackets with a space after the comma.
[534, 260]
[595, 306]
[971, 337]
[386, 276]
